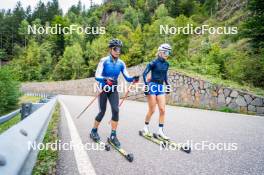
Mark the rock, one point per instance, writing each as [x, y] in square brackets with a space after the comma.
[181, 79]
[260, 110]
[207, 85]
[241, 101]
[196, 85]
[243, 109]
[193, 98]
[212, 102]
[214, 93]
[252, 108]
[220, 91]
[202, 91]
[228, 100]
[201, 84]
[257, 102]
[234, 93]
[227, 92]
[248, 98]
[205, 100]
[221, 99]
[233, 106]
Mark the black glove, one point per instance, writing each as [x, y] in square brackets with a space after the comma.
[135, 79]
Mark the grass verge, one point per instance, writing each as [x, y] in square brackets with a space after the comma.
[5, 126]
[26, 98]
[47, 159]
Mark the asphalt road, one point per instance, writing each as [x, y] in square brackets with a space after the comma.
[244, 132]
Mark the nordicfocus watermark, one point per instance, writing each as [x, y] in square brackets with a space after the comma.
[59, 29]
[132, 88]
[189, 29]
[199, 146]
[66, 146]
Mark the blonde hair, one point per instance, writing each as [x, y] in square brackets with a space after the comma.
[157, 54]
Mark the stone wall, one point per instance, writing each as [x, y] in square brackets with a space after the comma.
[187, 91]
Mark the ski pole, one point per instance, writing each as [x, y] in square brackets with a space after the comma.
[89, 104]
[126, 94]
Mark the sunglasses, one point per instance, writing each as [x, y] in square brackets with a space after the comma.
[117, 49]
[167, 52]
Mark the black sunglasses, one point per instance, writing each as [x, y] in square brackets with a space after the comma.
[117, 49]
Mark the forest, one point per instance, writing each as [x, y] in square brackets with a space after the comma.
[236, 58]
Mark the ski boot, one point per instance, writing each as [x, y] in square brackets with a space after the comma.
[115, 141]
[162, 135]
[95, 136]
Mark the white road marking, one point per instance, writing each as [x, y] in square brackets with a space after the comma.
[83, 161]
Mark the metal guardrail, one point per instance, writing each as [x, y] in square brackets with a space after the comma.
[40, 94]
[16, 154]
[9, 116]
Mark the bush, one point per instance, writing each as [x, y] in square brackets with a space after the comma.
[9, 91]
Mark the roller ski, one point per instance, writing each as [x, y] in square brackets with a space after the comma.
[149, 136]
[113, 141]
[162, 137]
[96, 138]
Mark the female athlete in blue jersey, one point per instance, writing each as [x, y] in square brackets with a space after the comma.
[107, 73]
[156, 90]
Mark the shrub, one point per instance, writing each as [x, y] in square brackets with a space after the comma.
[9, 91]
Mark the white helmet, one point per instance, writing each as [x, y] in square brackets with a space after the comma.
[164, 47]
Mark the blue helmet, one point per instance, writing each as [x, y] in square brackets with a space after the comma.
[115, 43]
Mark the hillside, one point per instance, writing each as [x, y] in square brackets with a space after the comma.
[227, 57]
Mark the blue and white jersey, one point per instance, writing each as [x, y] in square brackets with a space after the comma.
[111, 68]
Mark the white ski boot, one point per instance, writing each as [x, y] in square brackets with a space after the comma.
[146, 130]
[162, 135]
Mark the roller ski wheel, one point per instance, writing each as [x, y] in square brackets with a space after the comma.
[130, 157]
[186, 149]
[107, 147]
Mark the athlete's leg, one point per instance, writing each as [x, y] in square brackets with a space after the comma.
[102, 102]
[114, 101]
[151, 107]
[161, 101]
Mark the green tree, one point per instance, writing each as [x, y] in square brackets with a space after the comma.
[27, 66]
[131, 16]
[173, 7]
[23, 31]
[135, 53]
[95, 51]
[9, 91]
[161, 11]
[71, 65]
[253, 27]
